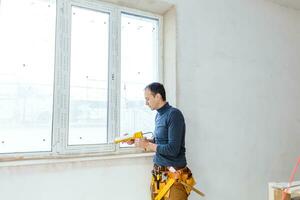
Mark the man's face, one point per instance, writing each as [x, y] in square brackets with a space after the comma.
[152, 100]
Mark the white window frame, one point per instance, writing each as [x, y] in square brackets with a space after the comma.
[62, 81]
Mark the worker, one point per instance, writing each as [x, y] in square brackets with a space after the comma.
[168, 144]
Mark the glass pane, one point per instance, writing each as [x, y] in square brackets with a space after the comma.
[89, 77]
[139, 64]
[27, 38]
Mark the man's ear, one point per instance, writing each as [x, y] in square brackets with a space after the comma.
[158, 96]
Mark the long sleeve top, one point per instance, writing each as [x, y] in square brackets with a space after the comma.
[169, 135]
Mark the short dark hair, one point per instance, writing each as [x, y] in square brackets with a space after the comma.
[157, 88]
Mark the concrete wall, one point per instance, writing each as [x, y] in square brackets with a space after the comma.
[239, 88]
[238, 79]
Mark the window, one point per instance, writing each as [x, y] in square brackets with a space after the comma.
[72, 75]
[139, 64]
[89, 77]
[27, 38]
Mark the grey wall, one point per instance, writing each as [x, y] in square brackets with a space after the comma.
[239, 87]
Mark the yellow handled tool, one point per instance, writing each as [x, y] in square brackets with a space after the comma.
[127, 138]
[169, 184]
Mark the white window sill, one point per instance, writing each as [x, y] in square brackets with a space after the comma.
[15, 161]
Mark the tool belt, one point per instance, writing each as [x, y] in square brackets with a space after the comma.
[163, 179]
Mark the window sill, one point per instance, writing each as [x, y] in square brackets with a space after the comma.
[16, 161]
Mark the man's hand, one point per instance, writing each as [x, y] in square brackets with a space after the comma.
[145, 144]
[129, 142]
[141, 143]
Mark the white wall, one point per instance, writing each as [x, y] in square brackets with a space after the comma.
[123, 179]
[239, 88]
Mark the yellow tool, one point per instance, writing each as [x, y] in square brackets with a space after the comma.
[127, 138]
[169, 184]
[173, 177]
[165, 189]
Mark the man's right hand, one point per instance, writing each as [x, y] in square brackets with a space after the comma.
[129, 142]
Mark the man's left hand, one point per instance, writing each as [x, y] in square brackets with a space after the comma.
[145, 144]
[141, 143]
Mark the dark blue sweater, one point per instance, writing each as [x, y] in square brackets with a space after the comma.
[169, 135]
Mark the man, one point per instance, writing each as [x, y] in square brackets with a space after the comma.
[168, 144]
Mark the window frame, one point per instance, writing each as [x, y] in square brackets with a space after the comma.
[61, 85]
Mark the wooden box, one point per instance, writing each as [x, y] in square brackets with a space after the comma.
[276, 191]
